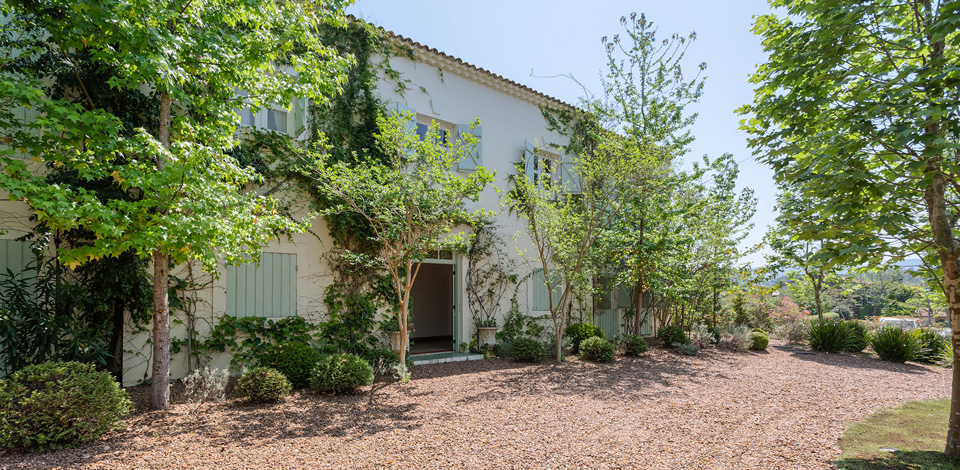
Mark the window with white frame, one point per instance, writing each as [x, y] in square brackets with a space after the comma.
[545, 165]
[276, 118]
[423, 127]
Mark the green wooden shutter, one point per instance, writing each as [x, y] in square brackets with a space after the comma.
[541, 300]
[14, 256]
[529, 157]
[568, 175]
[473, 159]
[623, 296]
[299, 116]
[267, 290]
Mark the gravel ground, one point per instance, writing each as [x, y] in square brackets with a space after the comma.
[720, 409]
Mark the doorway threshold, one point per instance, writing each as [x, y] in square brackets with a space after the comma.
[439, 358]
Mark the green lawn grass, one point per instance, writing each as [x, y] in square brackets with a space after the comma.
[918, 429]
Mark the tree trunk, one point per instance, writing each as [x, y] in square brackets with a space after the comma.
[715, 301]
[952, 286]
[115, 362]
[161, 332]
[816, 299]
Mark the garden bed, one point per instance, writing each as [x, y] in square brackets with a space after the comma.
[720, 409]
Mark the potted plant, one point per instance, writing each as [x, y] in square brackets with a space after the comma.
[487, 329]
[391, 325]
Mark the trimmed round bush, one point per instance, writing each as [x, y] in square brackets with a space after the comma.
[597, 349]
[340, 373]
[672, 335]
[932, 345]
[264, 385]
[293, 360]
[527, 350]
[578, 332]
[896, 345]
[858, 336]
[59, 404]
[828, 336]
[634, 345]
[760, 341]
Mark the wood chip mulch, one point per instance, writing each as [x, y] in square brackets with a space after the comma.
[718, 410]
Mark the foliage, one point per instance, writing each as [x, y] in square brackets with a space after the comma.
[578, 332]
[829, 336]
[384, 361]
[688, 349]
[193, 200]
[411, 203]
[858, 335]
[932, 345]
[503, 349]
[204, 386]
[294, 360]
[263, 385]
[795, 333]
[701, 336]
[634, 345]
[597, 349]
[246, 339]
[760, 341]
[340, 373]
[58, 404]
[739, 337]
[672, 335]
[860, 98]
[896, 345]
[517, 324]
[784, 310]
[489, 275]
[715, 334]
[527, 350]
[350, 320]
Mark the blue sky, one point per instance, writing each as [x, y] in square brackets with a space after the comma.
[527, 41]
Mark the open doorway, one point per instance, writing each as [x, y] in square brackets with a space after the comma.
[432, 305]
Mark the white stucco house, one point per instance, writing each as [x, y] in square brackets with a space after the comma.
[292, 274]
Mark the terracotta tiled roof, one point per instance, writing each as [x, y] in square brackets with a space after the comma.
[468, 67]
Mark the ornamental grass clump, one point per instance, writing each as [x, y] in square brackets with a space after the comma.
[578, 332]
[932, 345]
[597, 349]
[858, 336]
[829, 336]
[341, 373]
[264, 385]
[896, 345]
[294, 360]
[634, 345]
[59, 404]
[527, 350]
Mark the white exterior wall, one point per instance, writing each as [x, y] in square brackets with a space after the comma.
[509, 117]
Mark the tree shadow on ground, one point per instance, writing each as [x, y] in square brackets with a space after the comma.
[852, 360]
[902, 460]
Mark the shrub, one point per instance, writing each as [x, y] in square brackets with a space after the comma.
[688, 349]
[858, 336]
[739, 337]
[715, 332]
[795, 333]
[204, 386]
[672, 335]
[527, 350]
[701, 336]
[760, 341]
[932, 345]
[383, 361]
[597, 349]
[339, 373]
[829, 336]
[634, 345]
[59, 404]
[503, 350]
[895, 345]
[264, 385]
[294, 360]
[578, 332]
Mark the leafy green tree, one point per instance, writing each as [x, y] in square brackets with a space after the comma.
[198, 62]
[856, 105]
[412, 206]
[565, 228]
[788, 251]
